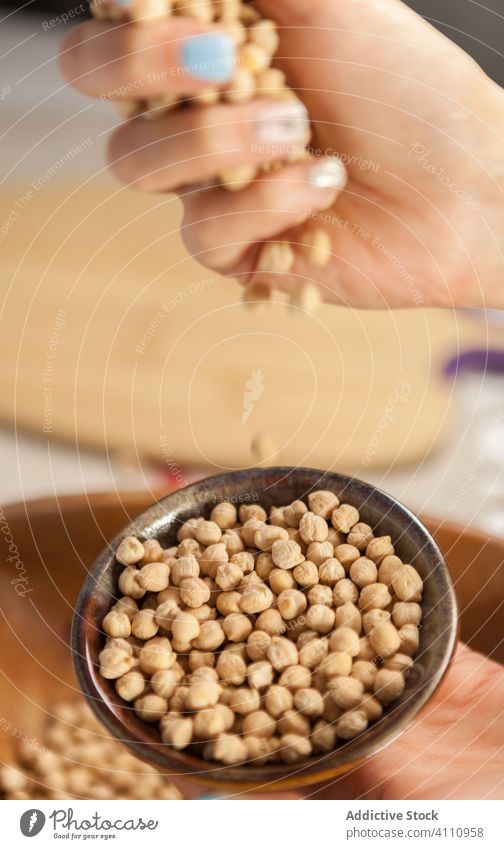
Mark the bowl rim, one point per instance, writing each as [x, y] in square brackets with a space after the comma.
[140, 737]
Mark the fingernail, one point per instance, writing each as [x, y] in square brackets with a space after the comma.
[210, 57]
[328, 172]
[286, 122]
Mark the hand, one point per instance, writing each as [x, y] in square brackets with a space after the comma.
[417, 122]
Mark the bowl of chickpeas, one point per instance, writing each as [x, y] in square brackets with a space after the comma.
[266, 628]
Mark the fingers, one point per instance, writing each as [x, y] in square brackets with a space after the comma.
[194, 145]
[176, 56]
[221, 228]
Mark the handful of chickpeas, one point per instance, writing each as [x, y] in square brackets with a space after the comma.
[263, 638]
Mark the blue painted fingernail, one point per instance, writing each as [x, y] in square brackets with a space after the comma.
[210, 57]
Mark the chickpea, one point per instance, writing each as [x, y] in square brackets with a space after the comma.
[286, 554]
[189, 547]
[245, 700]
[365, 649]
[336, 664]
[165, 614]
[185, 567]
[224, 515]
[232, 542]
[313, 528]
[320, 594]
[278, 700]
[154, 577]
[389, 567]
[198, 659]
[228, 576]
[360, 536]
[150, 708]
[365, 672]
[249, 530]
[320, 618]
[291, 603]
[374, 595]
[156, 654]
[371, 707]
[345, 640]
[252, 511]
[322, 503]
[294, 748]
[228, 602]
[236, 627]
[210, 636]
[323, 736]
[130, 551]
[207, 533]
[244, 560]
[229, 749]
[309, 702]
[293, 722]
[126, 605]
[280, 580]
[267, 535]
[409, 638]
[348, 616]
[344, 591]
[186, 530]
[116, 624]
[319, 552]
[260, 674]
[378, 548]
[276, 517]
[407, 584]
[384, 639]
[351, 724]
[164, 682]
[344, 517]
[256, 598]
[213, 721]
[399, 663]
[330, 572]
[264, 565]
[212, 557]
[194, 592]
[295, 677]
[388, 685]
[258, 724]
[202, 694]
[129, 584]
[306, 574]
[313, 653]
[185, 627]
[373, 618]
[270, 621]
[282, 653]
[346, 554]
[258, 749]
[144, 625]
[363, 572]
[294, 512]
[258, 644]
[131, 685]
[406, 613]
[176, 730]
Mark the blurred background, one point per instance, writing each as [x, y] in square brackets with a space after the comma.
[127, 366]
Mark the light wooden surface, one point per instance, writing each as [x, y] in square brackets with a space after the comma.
[156, 352]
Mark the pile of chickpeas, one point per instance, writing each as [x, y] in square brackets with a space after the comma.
[73, 758]
[263, 638]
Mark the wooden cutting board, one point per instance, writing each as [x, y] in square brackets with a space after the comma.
[113, 337]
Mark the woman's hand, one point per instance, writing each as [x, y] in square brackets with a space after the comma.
[418, 124]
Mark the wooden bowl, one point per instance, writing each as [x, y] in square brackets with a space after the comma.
[414, 545]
